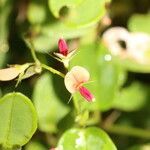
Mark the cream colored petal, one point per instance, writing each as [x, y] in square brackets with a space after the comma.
[61, 56]
[70, 83]
[76, 76]
[138, 45]
[9, 74]
[111, 38]
[80, 74]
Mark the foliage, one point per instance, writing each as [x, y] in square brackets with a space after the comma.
[20, 120]
[74, 87]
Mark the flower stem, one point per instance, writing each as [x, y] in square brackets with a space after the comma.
[76, 104]
[52, 70]
[31, 47]
[34, 55]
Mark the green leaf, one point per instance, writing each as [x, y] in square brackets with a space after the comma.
[48, 35]
[35, 145]
[103, 74]
[133, 66]
[56, 6]
[140, 23]
[81, 12]
[48, 30]
[18, 120]
[49, 107]
[131, 98]
[86, 139]
[34, 9]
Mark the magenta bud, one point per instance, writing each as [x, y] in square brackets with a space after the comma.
[86, 94]
[63, 47]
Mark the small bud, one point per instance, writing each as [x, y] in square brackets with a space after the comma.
[63, 47]
[64, 55]
[86, 94]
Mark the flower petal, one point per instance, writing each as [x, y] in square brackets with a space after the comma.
[80, 74]
[70, 83]
[60, 56]
[9, 73]
[75, 77]
[86, 94]
[137, 46]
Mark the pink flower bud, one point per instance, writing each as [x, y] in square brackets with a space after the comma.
[64, 55]
[86, 94]
[63, 47]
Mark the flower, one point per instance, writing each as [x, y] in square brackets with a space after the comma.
[137, 44]
[112, 37]
[64, 55]
[12, 72]
[9, 73]
[74, 81]
[21, 71]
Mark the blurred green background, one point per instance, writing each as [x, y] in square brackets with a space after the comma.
[121, 87]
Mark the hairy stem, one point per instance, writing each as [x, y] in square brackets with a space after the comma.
[31, 47]
[52, 70]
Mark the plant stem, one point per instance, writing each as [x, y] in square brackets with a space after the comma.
[76, 104]
[52, 70]
[31, 47]
[129, 131]
[34, 55]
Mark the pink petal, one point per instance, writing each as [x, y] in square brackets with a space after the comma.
[63, 47]
[75, 77]
[86, 94]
